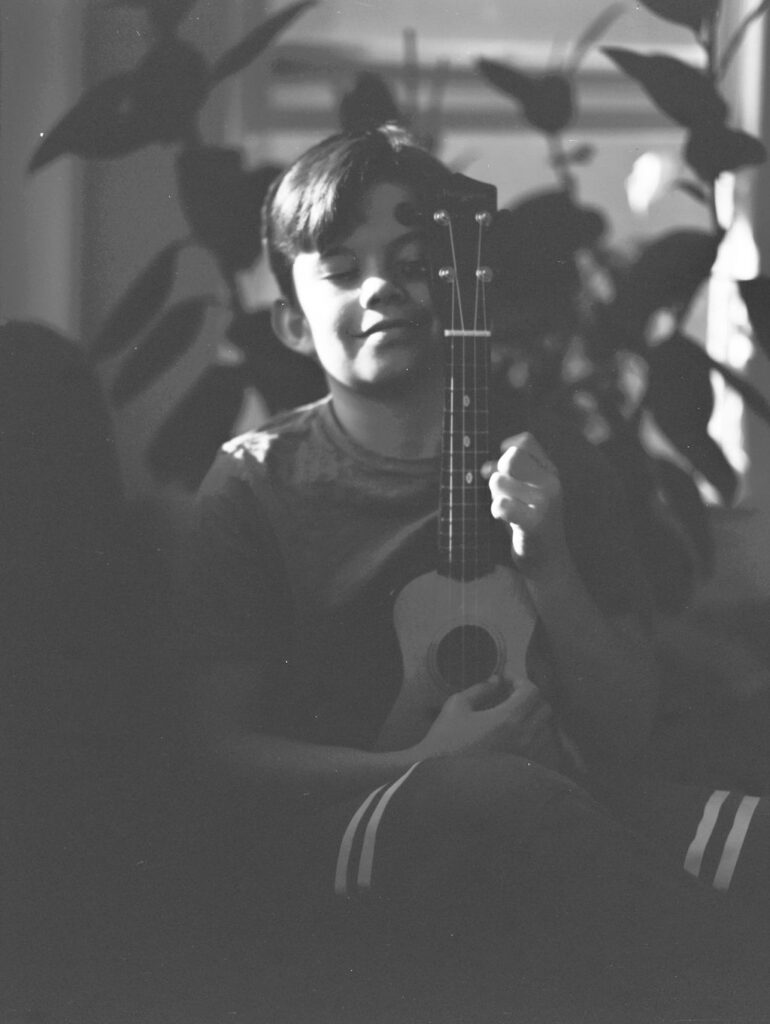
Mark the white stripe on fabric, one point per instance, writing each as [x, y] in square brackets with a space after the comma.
[366, 863]
[343, 857]
[694, 856]
[734, 842]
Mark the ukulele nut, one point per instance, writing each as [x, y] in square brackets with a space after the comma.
[485, 274]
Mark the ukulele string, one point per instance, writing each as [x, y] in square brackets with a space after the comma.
[479, 323]
[458, 551]
[482, 431]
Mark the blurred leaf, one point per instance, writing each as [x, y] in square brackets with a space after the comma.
[546, 100]
[223, 202]
[172, 335]
[102, 124]
[756, 294]
[692, 13]
[710, 151]
[164, 14]
[185, 445]
[667, 274]
[631, 462]
[283, 378]
[368, 105]
[532, 248]
[680, 493]
[171, 85]
[141, 302]
[681, 91]
[592, 34]
[751, 397]
[243, 53]
[681, 399]
[553, 221]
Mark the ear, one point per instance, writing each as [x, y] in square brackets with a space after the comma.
[292, 328]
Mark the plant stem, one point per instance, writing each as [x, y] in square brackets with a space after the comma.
[738, 36]
[558, 162]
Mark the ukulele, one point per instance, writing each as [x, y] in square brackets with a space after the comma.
[470, 618]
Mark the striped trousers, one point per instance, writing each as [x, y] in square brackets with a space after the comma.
[612, 890]
[719, 837]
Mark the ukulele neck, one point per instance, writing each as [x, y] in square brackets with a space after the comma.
[464, 518]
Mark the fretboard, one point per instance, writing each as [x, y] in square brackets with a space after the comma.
[464, 517]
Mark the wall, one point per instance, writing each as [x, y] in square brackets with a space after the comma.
[131, 212]
[40, 77]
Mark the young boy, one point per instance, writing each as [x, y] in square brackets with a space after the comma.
[310, 528]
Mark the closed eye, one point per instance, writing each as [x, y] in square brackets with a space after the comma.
[413, 269]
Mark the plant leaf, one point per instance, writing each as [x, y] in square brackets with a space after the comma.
[751, 397]
[692, 13]
[681, 91]
[102, 124]
[165, 15]
[243, 53]
[546, 100]
[681, 399]
[369, 104]
[710, 151]
[666, 275]
[756, 294]
[171, 84]
[592, 34]
[184, 446]
[141, 302]
[223, 202]
[283, 378]
[172, 335]
[681, 495]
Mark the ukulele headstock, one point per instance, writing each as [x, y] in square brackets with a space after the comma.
[459, 228]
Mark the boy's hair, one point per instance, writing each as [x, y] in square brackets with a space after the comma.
[318, 199]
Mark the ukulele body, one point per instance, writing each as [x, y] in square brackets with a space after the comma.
[453, 633]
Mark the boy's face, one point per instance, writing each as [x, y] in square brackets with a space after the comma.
[365, 308]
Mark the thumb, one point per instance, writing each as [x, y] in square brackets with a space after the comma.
[486, 693]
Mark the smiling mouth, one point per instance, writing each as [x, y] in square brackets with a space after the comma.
[383, 326]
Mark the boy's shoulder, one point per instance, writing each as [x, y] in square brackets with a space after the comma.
[286, 428]
[288, 450]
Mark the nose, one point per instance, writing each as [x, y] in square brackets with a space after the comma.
[379, 289]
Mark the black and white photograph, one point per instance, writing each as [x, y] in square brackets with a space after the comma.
[384, 511]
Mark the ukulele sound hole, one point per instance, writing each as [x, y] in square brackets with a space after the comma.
[466, 655]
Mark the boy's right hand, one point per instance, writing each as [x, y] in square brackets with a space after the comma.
[494, 716]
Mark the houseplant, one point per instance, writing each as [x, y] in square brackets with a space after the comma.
[578, 324]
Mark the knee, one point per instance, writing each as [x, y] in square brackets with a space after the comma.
[495, 788]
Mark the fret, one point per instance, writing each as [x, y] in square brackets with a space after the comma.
[460, 300]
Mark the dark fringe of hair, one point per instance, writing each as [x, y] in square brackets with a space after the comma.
[318, 199]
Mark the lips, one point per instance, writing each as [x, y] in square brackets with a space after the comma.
[382, 326]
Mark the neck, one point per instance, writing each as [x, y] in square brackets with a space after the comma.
[402, 424]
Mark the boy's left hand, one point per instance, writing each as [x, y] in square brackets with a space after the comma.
[526, 494]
